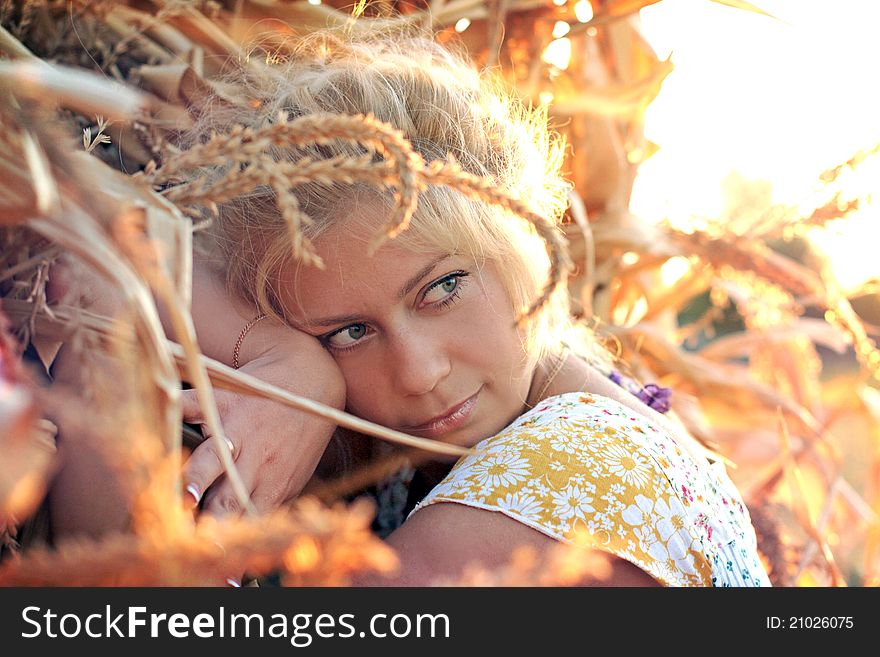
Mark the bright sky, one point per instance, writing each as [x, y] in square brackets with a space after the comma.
[780, 101]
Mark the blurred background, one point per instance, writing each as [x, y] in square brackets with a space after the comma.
[764, 104]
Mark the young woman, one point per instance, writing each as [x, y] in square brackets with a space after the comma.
[421, 337]
[423, 331]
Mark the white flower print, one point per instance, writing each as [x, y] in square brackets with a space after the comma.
[523, 504]
[464, 466]
[616, 477]
[539, 487]
[671, 542]
[458, 484]
[673, 530]
[665, 571]
[684, 563]
[641, 515]
[616, 506]
[640, 512]
[650, 544]
[631, 467]
[672, 519]
[528, 440]
[562, 527]
[564, 442]
[572, 503]
[501, 469]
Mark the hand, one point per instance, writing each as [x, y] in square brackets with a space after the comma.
[275, 448]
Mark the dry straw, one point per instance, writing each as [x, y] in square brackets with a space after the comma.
[760, 393]
[401, 168]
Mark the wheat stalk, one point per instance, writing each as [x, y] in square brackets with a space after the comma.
[405, 169]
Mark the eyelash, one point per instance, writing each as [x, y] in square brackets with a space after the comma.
[453, 296]
[450, 299]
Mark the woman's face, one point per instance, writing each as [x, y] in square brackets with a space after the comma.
[425, 341]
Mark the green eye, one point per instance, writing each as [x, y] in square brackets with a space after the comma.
[442, 289]
[345, 337]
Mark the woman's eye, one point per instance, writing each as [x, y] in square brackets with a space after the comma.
[347, 336]
[442, 288]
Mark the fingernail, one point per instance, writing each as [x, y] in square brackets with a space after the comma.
[193, 491]
[234, 583]
[230, 446]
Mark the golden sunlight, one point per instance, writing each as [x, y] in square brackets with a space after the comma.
[775, 100]
[462, 24]
[560, 29]
[558, 53]
[583, 11]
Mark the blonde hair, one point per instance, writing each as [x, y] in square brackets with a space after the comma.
[444, 107]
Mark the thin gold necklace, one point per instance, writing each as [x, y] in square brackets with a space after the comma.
[561, 358]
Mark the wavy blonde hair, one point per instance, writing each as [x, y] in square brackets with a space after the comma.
[444, 107]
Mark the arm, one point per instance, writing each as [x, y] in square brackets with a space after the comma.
[276, 448]
[218, 318]
[441, 540]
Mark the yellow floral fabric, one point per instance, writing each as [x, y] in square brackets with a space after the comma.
[585, 463]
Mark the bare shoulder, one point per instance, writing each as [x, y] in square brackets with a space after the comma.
[441, 540]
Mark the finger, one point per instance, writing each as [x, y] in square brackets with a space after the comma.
[192, 407]
[192, 410]
[221, 499]
[202, 469]
[264, 478]
[267, 497]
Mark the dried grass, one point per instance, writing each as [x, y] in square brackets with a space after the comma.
[755, 388]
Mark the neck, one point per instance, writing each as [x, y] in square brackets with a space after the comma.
[545, 377]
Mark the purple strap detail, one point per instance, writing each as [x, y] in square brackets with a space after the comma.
[657, 397]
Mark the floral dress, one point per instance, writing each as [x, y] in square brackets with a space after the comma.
[586, 464]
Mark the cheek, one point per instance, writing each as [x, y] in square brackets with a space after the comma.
[363, 388]
[491, 333]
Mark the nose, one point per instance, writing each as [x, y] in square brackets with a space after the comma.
[421, 361]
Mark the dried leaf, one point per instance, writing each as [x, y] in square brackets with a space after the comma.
[75, 89]
[741, 344]
[614, 100]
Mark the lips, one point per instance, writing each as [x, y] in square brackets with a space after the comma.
[453, 419]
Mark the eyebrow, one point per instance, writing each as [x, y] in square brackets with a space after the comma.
[408, 287]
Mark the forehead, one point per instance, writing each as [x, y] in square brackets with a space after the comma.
[352, 281]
